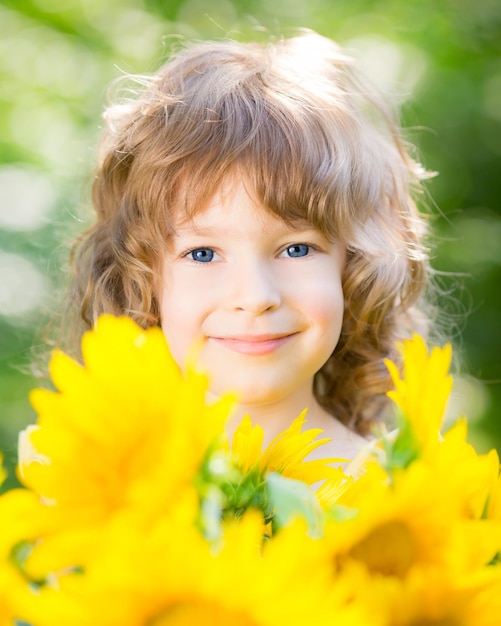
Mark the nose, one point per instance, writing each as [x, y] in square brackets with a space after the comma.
[253, 288]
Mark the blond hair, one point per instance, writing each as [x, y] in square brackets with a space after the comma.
[311, 140]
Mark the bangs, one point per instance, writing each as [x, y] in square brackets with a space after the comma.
[304, 153]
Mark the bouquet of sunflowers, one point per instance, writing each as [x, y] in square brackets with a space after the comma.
[136, 510]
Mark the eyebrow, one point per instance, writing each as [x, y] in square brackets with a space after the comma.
[190, 228]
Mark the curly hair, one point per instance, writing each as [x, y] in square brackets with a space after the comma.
[312, 140]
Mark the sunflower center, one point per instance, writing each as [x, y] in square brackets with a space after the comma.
[207, 614]
[388, 549]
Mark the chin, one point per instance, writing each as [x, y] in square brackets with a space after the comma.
[249, 394]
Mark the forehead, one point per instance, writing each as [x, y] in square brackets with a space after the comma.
[234, 204]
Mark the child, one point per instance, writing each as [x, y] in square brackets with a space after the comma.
[254, 200]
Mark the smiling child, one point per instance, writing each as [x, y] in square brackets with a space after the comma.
[255, 200]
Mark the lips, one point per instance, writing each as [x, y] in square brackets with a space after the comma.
[254, 344]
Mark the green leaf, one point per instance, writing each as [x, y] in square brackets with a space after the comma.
[339, 513]
[402, 450]
[292, 499]
[211, 507]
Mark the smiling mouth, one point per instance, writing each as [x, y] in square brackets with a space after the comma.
[253, 344]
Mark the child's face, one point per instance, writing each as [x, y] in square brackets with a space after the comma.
[264, 297]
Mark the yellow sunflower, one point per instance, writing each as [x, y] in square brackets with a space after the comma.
[171, 576]
[414, 521]
[19, 520]
[285, 454]
[423, 390]
[333, 489]
[124, 430]
[494, 501]
[434, 597]
[474, 477]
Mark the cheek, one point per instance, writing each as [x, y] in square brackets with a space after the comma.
[183, 310]
[319, 291]
[175, 338]
[325, 304]
[329, 315]
[176, 311]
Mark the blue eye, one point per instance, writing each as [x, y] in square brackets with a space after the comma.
[202, 255]
[297, 250]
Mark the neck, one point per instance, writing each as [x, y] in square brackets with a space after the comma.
[274, 417]
[277, 416]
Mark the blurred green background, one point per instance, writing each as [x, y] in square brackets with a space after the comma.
[440, 61]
